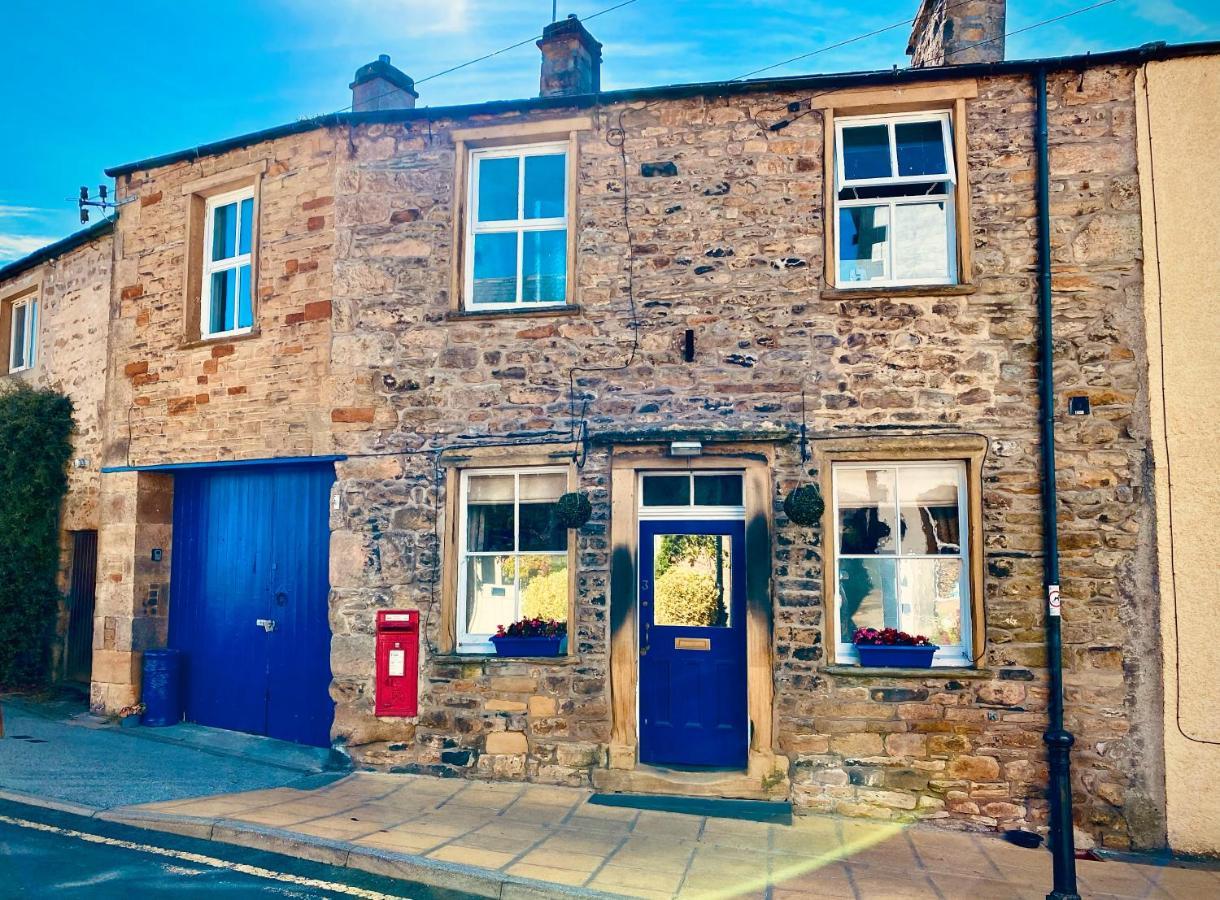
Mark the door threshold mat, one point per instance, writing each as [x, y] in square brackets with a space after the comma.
[774, 812]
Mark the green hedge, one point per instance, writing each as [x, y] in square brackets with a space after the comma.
[35, 432]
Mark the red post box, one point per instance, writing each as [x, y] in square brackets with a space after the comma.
[397, 662]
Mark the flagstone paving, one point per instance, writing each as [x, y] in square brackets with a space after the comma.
[555, 835]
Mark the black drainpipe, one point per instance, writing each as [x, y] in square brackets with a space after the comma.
[1058, 740]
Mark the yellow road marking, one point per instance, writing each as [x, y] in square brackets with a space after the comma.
[202, 860]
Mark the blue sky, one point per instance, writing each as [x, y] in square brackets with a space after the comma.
[92, 84]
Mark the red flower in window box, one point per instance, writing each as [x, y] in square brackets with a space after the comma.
[530, 637]
[891, 647]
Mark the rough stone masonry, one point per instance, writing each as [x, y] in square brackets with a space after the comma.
[357, 352]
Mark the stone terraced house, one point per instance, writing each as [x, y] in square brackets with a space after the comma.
[354, 362]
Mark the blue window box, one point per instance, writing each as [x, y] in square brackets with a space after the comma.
[527, 646]
[899, 657]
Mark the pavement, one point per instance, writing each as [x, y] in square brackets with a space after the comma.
[522, 840]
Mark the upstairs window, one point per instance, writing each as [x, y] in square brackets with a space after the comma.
[226, 307]
[23, 334]
[517, 232]
[894, 200]
[513, 555]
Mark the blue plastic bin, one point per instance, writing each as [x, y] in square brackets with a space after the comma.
[162, 693]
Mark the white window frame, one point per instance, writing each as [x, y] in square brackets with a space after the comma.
[479, 643]
[29, 342]
[949, 197]
[690, 511]
[211, 267]
[518, 226]
[958, 656]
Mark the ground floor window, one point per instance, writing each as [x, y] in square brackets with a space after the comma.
[902, 553]
[513, 555]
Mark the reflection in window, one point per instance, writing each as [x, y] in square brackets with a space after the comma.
[514, 554]
[518, 226]
[692, 580]
[894, 200]
[901, 553]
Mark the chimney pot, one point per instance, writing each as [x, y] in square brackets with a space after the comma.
[571, 59]
[379, 85]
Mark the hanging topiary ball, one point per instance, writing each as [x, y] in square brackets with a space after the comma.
[573, 509]
[804, 505]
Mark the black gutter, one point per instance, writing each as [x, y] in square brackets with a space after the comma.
[59, 248]
[1057, 739]
[811, 83]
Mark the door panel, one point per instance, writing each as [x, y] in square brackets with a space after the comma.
[251, 544]
[79, 663]
[692, 643]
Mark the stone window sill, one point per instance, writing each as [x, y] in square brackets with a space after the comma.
[896, 672]
[462, 658]
[919, 290]
[460, 315]
[196, 343]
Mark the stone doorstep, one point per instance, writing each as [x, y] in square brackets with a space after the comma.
[388, 863]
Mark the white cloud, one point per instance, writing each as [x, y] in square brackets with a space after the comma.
[15, 246]
[1167, 12]
[13, 212]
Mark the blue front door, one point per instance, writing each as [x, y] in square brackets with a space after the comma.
[248, 608]
[693, 644]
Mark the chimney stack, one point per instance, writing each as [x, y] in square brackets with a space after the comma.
[571, 60]
[953, 32]
[379, 85]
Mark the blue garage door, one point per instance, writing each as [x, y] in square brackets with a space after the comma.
[248, 607]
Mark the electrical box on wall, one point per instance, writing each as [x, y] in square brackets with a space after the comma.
[397, 662]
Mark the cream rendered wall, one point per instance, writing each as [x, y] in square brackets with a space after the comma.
[1179, 158]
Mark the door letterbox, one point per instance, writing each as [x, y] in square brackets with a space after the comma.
[397, 662]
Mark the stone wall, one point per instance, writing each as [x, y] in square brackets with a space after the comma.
[954, 32]
[74, 301]
[731, 248]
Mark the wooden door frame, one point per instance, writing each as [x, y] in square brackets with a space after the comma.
[625, 464]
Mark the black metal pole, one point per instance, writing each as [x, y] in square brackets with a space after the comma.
[1058, 740]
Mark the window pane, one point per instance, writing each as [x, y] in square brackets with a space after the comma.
[17, 360]
[692, 580]
[224, 231]
[866, 511]
[224, 296]
[921, 148]
[929, 509]
[863, 231]
[867, 595]
[544, 486]
[539, 530]
[31, 340]
[866, 152]
[921, 240]
[544, 186]
[717, 490]
[667, 490]
[489, 514]
[544, 264]
[247, 223]
[931, 599]
[544, 586]
[498, 189]
[491, 594]
[495, 268]
[245, 310]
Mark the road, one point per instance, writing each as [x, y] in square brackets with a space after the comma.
[44, 853]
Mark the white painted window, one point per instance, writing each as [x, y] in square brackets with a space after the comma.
[513, 556]
[226, 306]
[894, 200]
[691, 494]
[517, 228]
[23, 334]
[902, 553]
